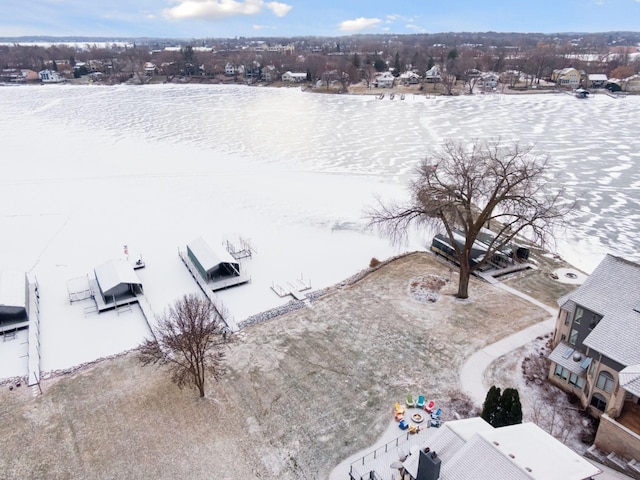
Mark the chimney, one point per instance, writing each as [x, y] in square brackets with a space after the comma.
[428, 465]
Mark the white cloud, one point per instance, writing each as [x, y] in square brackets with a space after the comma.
[218, 9]
[411, 26]
[278, 9]
[359, 24]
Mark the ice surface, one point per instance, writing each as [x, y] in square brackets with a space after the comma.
[86, 170]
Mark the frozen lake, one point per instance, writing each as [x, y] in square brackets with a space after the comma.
[86, 170]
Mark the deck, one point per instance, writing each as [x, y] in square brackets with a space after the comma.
[101, 305]
[630, 417]
[34, 334]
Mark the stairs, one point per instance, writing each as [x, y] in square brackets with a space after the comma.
[612, 460]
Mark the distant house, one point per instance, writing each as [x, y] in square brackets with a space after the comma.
[631, 84]
[433, 75]
[229, 70]
[50, 76]
[17, 75]
[294, 77]
[488, 81]
[597, 80]
[269, 74]
[410, 78]
[567, 77]
[597, 350]
[150, 69]
[471, 449]
[384, 80]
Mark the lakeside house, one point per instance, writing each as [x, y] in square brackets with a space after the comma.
[488, 81]
[471, 449]
[597, 80]
[50, 76]
[433, 75]
[567, 77]
[294, 77]
[596, 354]
[384, 80]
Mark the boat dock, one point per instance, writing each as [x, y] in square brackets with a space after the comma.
[294, 288]
[208, 291]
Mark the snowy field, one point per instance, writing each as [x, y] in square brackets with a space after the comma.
[87, 170]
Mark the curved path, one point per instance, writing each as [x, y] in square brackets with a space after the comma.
[472, 371]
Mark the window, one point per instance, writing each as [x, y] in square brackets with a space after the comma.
[561, 372]
[573, 337]
[576, 381]
[605, 382]
[599, 402]
[594, 321]
[578, 315]
[566, 318]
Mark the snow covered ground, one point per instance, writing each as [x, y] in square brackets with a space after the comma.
[87, 170]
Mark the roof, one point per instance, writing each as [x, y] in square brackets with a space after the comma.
[470, 449]
[629, 378]
[566, 356]
[114, 273]
[13, 292]
[208, 255]
[448, 441]
[479, 459]
[534, 451]
[613, 291]
[597, 76]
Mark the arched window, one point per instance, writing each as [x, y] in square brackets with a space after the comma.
[599, 402]
[605, 382]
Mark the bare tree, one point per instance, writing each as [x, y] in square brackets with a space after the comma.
[189, 339]
[460, 189]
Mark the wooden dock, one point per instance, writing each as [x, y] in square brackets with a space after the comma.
[208, 291]
[294, 288]
[34, 334]
[101, 305]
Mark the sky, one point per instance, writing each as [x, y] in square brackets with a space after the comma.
[287, 18]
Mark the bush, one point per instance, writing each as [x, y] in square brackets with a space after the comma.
[374, 262]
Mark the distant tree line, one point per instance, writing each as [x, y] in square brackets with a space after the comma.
[350, 59]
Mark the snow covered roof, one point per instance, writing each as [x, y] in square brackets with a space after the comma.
[532, 450]
[470, 449]
[115, 272]
[629, 378]
[566, 356]
[208, 255]
[13, 292]
[597, 77]
[613, 291]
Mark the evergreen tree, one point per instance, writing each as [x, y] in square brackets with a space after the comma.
[491, 405]
[510, 412]
[397, 66]
[504, 409]
[356, 60]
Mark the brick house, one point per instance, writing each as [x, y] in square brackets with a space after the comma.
[596, 353]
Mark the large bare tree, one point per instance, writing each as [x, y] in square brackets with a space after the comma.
[189, 338]
[465, 189]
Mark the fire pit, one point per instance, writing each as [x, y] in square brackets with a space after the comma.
[417, 417]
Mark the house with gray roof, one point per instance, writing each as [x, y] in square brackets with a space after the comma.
[596, 353]
[471, 449]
